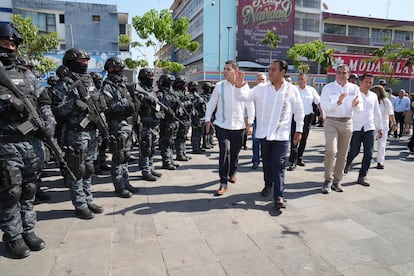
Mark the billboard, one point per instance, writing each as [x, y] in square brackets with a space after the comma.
[255, 18]
[358, 64]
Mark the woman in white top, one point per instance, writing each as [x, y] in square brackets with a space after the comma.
[387, 112]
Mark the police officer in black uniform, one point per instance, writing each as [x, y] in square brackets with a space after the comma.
[100, 162]
[80, 134]
[169, 124]
[22, 153]
[197, 120]
[120, 119]
[207, 137]
[151, 114]
[184, 114]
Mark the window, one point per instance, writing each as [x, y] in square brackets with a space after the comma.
[380, 36]
[403, 36]
[335, 29]
[358, 31]
[307, 22]
[61, 18]
[46, 22]
[96, 18]
[316, 4]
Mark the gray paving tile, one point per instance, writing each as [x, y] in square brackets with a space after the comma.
[370, 268]
[349, 229]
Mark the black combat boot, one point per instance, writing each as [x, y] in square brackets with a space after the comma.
[95, 208]
[17, 249]
[131, 189]
[84, 213]
[149, 177]
[124, 193]
[155, 173]
[33, 242]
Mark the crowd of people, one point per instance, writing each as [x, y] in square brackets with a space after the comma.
[80, 116]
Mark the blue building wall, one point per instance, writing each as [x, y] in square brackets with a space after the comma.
[89, 35]
[211, 33]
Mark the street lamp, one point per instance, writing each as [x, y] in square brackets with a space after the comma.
[219, 39]
[228, 42]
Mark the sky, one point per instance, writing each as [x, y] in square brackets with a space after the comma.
[390, 9]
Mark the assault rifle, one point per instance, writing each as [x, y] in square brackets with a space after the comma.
[157, 101]
[35, 122]
[95, 115]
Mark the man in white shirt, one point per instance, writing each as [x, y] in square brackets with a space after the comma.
[308, 96]
[276, 101]
[338, 100]
[229, 124]
[365, 122]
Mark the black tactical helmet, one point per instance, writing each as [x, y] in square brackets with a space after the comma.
[52, 80]
[70, 60]
[164, 81]
[62, 71]
[97, 79]
[207, 86]
[146, 77]
[114, 62]
[179, 83]
[25, 62]
[8, 31]
[192, 86]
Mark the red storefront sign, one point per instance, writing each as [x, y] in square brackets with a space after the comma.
[360, 65]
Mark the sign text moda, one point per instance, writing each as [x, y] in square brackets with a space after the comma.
[266, 11]
[361, 64]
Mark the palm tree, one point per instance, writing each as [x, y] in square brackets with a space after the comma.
[272, 40]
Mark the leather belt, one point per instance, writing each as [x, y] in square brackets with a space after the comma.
[339, 119]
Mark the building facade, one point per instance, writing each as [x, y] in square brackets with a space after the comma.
[233, 29]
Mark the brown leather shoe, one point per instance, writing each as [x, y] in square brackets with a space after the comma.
[220, 191]
[233, 179]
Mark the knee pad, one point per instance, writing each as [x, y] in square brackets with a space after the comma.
[10, 196]
[28, 190]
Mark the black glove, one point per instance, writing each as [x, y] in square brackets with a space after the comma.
[81, 105]
[48, 130]
[16, 103]
[150, 99]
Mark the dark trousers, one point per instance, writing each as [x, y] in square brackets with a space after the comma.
[296, 151]
[230, 143]
[274, 154]
[366, 138]
[399, 118]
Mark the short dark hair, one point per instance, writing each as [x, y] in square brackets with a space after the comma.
[233, 64]
[366, 75]
[283, 65]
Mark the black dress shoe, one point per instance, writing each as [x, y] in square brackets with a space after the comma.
[266, 191]
[300, 163]
[291, 168]
[97, 209]
[33, 242]
[17, 249]
[255, 166]
[347, 168]
[84, 213]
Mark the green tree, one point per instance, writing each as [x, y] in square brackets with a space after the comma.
[303, 53]
[388, 56]
[35, 44]
[272, 40]
[159, 29]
